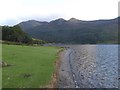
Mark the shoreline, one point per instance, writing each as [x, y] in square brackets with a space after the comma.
[55, 76]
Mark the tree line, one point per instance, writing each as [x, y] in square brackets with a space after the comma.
[15, 34]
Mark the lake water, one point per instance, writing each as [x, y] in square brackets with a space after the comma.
[95, 66]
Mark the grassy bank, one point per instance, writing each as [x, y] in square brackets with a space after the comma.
[30, 67]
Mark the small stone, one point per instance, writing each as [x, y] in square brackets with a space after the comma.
[27, 75]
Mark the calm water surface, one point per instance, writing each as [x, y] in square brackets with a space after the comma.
[95, 66]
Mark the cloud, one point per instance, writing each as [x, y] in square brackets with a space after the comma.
[14, 11]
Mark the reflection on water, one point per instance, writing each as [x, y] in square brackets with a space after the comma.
[96, 65]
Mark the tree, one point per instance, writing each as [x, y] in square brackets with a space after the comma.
[15, 34]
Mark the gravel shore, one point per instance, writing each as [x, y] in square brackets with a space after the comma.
[89, 66]
[65, 75]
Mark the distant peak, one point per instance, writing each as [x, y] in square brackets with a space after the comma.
[60, 19]
[73, 19]
[31, 20]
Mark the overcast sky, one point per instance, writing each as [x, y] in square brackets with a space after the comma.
[15, 11]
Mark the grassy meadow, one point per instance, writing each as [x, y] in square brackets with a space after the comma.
[30, 66]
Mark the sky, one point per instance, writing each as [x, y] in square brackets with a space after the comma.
[16, 11]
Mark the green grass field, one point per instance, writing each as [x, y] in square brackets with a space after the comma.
[32, 67]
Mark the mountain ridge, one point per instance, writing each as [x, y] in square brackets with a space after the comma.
[73, 30]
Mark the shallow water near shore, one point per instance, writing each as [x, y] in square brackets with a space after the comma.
[91, 66]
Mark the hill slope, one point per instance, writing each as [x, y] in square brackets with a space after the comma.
[15, 34]
[73, 31]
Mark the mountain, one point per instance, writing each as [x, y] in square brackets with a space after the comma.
[31, 23]
[73, 30]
